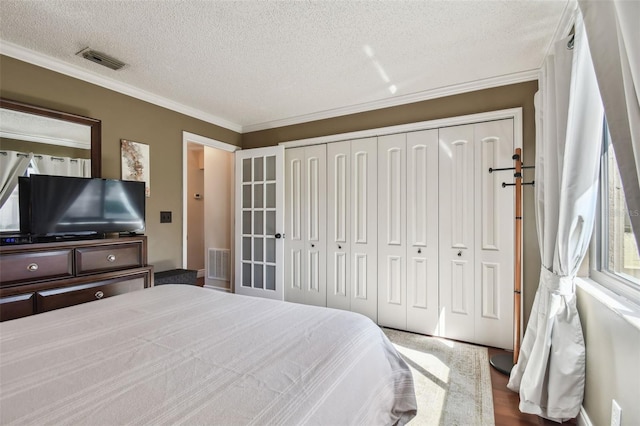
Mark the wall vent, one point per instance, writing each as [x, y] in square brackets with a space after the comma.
[101, 58]
[219, 264]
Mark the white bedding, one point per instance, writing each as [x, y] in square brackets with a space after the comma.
[180, 354]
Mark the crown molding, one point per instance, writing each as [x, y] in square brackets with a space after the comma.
[50, 63]
[455, 89]
[45, 61]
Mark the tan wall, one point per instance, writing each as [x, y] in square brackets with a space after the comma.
[218, 226]
[516, 95]
[123, 117]
[195, 208]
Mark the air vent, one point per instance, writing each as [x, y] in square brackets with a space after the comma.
[101, 58]
[219, 264]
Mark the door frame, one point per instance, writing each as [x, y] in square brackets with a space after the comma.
[187, 138]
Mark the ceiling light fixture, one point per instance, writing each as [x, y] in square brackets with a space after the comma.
[101, 58]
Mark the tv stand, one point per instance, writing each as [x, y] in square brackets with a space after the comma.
[44, 276]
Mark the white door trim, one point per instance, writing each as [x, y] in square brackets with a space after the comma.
[515, 113]
[202, 140]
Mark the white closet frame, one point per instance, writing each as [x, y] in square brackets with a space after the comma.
[513, 113]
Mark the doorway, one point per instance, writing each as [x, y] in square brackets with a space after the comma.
[207, 228]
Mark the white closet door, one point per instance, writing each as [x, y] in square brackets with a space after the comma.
[316, 225]
[422, 232]
[456, 208]
[305, 247]
[494, 234]
[339, 225]
[295, 243]
[392, 245]
[364, 231]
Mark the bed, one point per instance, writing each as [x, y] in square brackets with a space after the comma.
[178, 354]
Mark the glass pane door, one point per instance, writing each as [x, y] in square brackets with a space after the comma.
[259, 222]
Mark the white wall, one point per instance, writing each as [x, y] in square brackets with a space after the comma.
[218, 202]
[613, 359]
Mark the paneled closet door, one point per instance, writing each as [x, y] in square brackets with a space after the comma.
[352, 282]
[363, 224]
[339, 225]
[422, 231]
[305, 243]
[392, 244]
[457, 234]
[494, 234]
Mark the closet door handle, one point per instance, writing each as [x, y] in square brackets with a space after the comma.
[459, 253]
[339, 247]
[313, 245]
[419, 251]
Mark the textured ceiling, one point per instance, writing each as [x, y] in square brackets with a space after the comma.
[252, 63]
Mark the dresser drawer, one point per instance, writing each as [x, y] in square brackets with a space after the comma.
[19, 306]
[36, 266]
[48, 300]
[90, 260]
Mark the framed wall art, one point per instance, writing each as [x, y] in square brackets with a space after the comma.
[135, 162]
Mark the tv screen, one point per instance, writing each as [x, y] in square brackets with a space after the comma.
[60, 205]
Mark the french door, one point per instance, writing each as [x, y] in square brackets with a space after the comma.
[259, 222]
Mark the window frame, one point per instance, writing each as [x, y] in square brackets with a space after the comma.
[598, 266]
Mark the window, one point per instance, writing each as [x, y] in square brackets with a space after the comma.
[10, 212]
[617, 262]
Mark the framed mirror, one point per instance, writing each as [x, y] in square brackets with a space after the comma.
[22, 123]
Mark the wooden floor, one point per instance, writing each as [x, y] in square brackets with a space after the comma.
[505, 402]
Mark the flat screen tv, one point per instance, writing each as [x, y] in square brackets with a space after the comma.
[72, 206]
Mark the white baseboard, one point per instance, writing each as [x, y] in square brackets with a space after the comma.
[583, 418]
[212, 287]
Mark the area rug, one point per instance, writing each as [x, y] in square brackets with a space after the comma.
[452, 380]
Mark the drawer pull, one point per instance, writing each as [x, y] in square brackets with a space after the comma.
[111, 258]
[99, 295]
[32, 267]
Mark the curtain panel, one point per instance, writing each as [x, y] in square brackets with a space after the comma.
[12, 165]
[614, 41]
[61, 166]
[550, 371]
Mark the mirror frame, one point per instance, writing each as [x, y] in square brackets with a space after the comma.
[93, 123]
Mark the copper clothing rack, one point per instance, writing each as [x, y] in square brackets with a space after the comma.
[504, 363]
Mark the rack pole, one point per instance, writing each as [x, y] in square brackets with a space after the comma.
[517, 287]
[504, 362]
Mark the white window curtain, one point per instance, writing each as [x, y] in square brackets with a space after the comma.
[550, 371]
[12, 165]
[613, 28]
[61, 166]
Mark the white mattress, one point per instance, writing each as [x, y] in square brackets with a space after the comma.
[179, 354]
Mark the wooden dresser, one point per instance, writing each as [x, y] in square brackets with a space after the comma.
[36, 278]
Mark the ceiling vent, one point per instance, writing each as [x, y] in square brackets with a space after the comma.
[101, 58]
